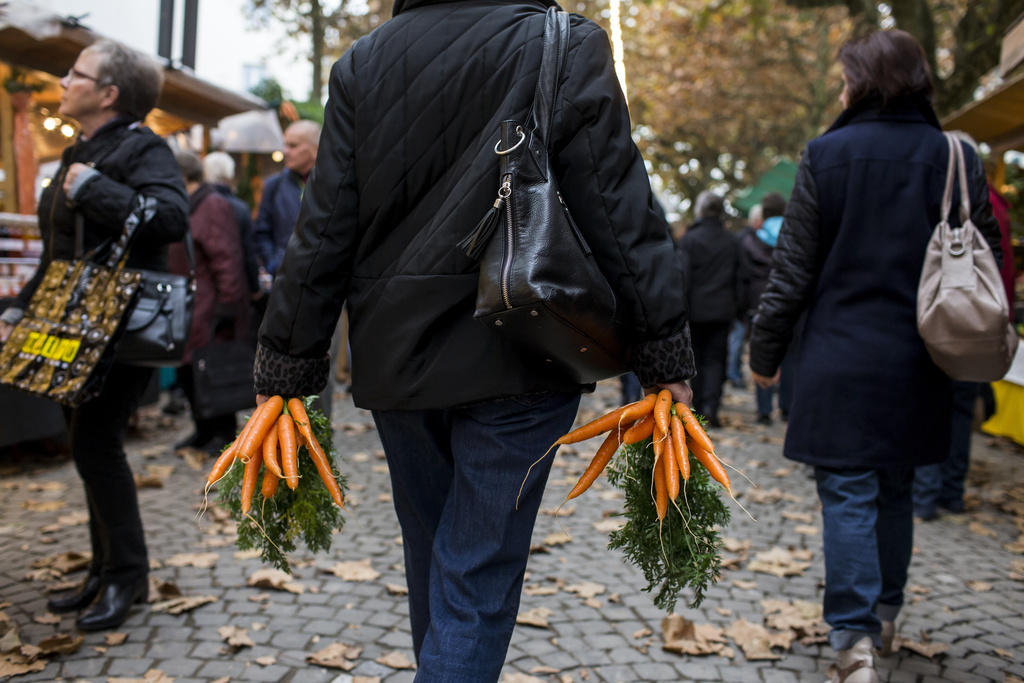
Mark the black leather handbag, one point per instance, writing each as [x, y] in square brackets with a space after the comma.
[222, 373]
[158, 325]
[539, 282]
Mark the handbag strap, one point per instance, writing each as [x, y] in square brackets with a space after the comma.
[119, 248]
[553, 58]
[956, 169]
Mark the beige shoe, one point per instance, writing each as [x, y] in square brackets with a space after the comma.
[855, 665]
[888, 634]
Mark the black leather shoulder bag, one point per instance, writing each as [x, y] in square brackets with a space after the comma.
[539, 282]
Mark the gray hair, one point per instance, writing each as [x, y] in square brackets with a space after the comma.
[219, 167]
[310, 130]
[709, 205]
[754, 215]
[137, 77]
[190, 165]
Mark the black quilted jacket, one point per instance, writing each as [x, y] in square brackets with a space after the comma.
[406, 168]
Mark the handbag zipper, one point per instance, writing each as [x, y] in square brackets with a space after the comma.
[506, 265]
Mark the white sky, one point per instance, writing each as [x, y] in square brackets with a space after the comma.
[225, 43]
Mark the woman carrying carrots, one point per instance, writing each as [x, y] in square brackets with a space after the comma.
[867, 399]
[404, 172]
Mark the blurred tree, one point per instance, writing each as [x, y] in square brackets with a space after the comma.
[269, 90]
[960, 37]
[719, 94]
[326, 29]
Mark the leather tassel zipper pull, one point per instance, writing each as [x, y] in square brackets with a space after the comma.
[476, 241]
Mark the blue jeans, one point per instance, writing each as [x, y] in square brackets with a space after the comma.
[631, 389]
[455, 475]
[868, 537]
[943, 484]
[734, 368]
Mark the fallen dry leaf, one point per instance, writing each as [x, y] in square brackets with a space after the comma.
[980, 529]
[979, 586]
[539, 589]
[1005, 654]
[366, 679]
[275, 579]
[538, 616]
[356, 570]
[182, 604]
[642, 633]
[586, 589]
[557, 538]
[778, 562]
[198, 560]
[919, 590]
[559, 512]
[16, 665]
[395, 660]
[756, 641]
[73, 518]
[802, 618]
[250, 554]
[927, 649]
[42, 505]
[64, 563]
[62, 644]
[151, 676]
[115, 638]
[336, 656]
[265, 660]
[682, 636]
[744, 585]
[609, 524]
[806, 530]
[521, 678]
[235, 637]
[396, 589]
[48, 619]
[794, 516]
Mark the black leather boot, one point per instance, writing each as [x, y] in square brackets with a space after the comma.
[78, 600]
[112, 606]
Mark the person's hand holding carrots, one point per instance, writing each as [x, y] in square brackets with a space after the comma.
[681, 391]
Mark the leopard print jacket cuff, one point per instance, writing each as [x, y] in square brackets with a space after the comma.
[664, 360]
[277, 373]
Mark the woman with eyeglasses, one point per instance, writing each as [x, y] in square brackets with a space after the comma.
[115, 161]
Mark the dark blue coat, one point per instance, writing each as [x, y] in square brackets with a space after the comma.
[279, 209]
[865, 202]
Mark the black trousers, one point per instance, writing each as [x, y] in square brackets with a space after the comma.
[97, 430]
[710, 351]
[220, 427]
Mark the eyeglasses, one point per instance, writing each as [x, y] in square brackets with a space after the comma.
[74, 73]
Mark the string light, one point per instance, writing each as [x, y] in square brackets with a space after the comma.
[51, 123]
[277, 156]
[618, 54]
[67, 130]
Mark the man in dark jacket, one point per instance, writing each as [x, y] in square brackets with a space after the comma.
[710, 256]
[406, 168]
[282, 193]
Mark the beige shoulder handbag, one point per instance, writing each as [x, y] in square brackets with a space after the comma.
[962, 311]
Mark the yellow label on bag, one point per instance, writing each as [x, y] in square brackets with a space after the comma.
[49, 346]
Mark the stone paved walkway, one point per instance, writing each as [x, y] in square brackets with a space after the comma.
[966, 588]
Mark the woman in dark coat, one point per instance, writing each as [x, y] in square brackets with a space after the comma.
[115, 166]
[222, 291]
[867, 395]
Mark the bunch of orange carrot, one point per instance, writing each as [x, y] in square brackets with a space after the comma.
[675, 433]
[270, 440]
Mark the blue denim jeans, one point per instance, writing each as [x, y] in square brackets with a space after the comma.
[455, 475]
[868, 537]
[631, 389]
[943, 484]
[734, 368]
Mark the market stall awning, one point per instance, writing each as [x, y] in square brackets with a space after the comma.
[996, 119]
[37, 39]
[779, 178]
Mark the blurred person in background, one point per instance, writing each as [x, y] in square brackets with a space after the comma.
[221, 308]
[867, 397]
[115, 164]
[219, 171]
[756, 247]
[710, 255]
[741, 328]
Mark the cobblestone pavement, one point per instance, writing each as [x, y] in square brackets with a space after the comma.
[966, 588]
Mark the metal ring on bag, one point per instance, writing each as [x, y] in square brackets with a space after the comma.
[957, 245]
[502, 152]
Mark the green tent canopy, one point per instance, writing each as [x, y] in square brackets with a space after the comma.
[779, 178]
